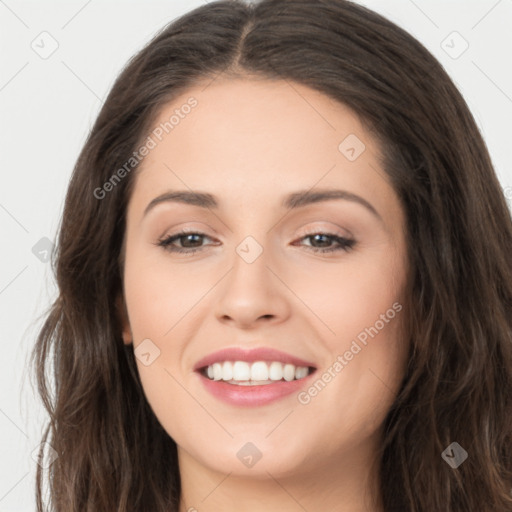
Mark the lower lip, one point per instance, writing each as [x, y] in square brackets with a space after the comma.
[253, 396]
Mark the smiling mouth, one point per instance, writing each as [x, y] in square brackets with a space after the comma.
[258, 373]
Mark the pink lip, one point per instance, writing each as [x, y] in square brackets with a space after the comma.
[250, 356]
[253, 396]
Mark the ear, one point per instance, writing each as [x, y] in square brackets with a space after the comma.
[123, 318]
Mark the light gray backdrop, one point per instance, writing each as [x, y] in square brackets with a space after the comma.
[58, 61]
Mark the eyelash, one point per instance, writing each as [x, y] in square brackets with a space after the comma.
[345, 244]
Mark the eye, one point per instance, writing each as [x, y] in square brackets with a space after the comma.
[191, 242]
[187, 236]
[343, 243]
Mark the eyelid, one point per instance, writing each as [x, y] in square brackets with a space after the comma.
[344, 233]
[334, 229]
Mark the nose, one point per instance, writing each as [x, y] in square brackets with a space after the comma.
[252, 295]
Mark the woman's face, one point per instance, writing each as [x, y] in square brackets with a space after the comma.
[258, 279]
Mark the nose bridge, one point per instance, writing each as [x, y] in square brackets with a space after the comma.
[252, 237]
[250, 265]
[251, 290]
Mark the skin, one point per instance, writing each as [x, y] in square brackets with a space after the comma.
[250, 142]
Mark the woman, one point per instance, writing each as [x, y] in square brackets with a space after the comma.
[284, 278]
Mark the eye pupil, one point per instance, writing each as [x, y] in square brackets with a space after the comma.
[186, 238]
[326, 239]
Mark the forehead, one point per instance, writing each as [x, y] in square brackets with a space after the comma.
[260, 137]
[274, 118]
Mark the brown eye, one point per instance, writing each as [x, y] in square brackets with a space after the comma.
[190, 242]
[325, 241]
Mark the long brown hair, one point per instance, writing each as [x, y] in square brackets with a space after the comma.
[113, 455]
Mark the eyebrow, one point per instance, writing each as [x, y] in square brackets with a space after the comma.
[294, 200]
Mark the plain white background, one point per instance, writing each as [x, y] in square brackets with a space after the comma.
[49, 102]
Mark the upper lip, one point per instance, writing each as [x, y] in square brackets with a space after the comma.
[250, 356]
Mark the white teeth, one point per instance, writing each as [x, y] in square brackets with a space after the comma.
[217, 371]
[241, 371]
[227, 371]
[301, 372]
[257, 373]
[289, 372]
[275, 371]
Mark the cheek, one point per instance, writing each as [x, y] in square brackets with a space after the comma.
[362, 306]
[158, 296]
[355, 294]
